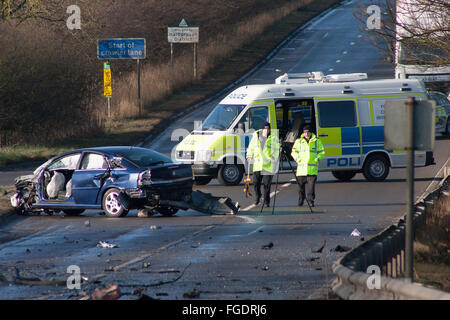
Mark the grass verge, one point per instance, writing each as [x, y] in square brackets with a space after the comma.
[432, 247]
[132, 130]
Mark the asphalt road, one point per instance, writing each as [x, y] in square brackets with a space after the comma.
[251, 255]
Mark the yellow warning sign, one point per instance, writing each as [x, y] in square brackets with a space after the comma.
[107, 79]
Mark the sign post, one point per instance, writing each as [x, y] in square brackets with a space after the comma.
[107, 87]
[139, 85]
[409, 126]
[128, 48]
[183, 33]
[409, 249]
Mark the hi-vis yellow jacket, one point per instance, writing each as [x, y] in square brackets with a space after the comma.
[264, 158]
[307, 155]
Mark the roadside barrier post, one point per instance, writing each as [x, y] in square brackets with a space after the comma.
[410, 188]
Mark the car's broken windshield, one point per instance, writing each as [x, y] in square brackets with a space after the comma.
[221, 117]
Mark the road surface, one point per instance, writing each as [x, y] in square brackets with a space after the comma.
[251, 255]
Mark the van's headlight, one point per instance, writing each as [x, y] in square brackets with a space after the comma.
[203, 155]
[145, 178]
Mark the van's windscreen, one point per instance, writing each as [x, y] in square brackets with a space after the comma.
[222, 117]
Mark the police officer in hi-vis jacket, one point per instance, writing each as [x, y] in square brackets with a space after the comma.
[307, 151]
[264, 149]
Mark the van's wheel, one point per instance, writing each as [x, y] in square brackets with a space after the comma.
[202, 180]
[230, 174]
[73, 212]
[376, 168]
[111, 204]
[344, 175]
[167, 211]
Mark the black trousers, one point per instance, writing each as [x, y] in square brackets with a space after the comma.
[308, 183]
[266, 179]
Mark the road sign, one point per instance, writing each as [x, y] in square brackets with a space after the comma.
[183, 32]
[107, 79]
[130, 48]
[395, 125]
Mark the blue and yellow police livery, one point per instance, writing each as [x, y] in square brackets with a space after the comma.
[345, 112]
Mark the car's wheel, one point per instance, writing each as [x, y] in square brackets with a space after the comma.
[112, 205]
[203, 180]
[167, 211]
[73, 212]
[344, 175]
[230, 174]
[376, 168]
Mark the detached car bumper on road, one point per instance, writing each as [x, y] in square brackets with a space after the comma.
[115, 180]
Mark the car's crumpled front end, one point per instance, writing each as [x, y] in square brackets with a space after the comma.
[25, 194]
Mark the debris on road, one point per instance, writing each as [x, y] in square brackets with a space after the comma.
[87, 223]
[160, 294]
[207, 203]
[267, 246]
[105, 244]
[163, 271]
[355, 233]
[3, 279]
[321, 248]
[195, 245]
[110, 293]
[153, 227]
[192, 294]
[269, 290]
[145, 297]
[312, 259]
[340, 248]
[35, 281]
[143, 213]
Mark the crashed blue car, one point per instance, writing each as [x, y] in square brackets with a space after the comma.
[115, 180]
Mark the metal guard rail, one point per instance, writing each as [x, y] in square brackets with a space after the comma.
[387, 251]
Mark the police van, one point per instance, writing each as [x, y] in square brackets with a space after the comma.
[345, 110]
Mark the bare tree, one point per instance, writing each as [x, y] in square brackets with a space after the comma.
[418, 29]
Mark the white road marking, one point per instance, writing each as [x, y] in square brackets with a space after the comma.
[164, 247]
[254, 231]
[287, 184]
[320, 20]
[248, 219]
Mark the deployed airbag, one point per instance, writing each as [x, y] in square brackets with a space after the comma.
[55, 185]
